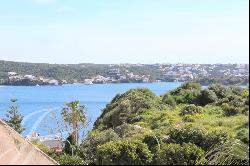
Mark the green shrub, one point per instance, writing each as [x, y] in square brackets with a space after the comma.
[169, 100]
[206, 97]
[126, 152]
[220, 91]
[176, 154]
[191, 118]
[153, 141]
[191, 96]
[214, 138]
[188, 93]
[148, 124]
[197, 136]
[191, 86]
[123, 108]
[127, 130]
[65, 159]
[243, 135]
[186, 135]
[89, 145]
[191, 110]
[41, 146]
[246, 106]
[230, 110]
[238, 91]
[213, 110]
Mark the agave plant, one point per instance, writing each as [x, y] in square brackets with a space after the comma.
[232, 152]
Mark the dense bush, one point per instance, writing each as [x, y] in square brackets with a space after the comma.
[188, 93]
[191, 86]
[243, 135]
[206, 97]
[197, 136]
[214, 138]
[136, 126]
[127, 130]
[186, 135]
[122, 109]
[190, 110]
[192, 117]
[88, 147]
[220, 91]
[168, 99]
[65, 159]
[230, 110]
[176, 154]
[246, 105]
[153, 141]
[126, 152]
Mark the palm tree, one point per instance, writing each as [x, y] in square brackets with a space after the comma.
[75, 116]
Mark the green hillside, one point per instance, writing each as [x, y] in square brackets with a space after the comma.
[181, 127]
[70, 72]
[206, 74]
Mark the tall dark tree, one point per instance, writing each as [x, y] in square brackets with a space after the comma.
[14, 118]
[70, 145]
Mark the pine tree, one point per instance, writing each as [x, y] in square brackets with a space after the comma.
[14, 117]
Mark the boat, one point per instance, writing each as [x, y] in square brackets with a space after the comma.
[37, 85]
[88, 83]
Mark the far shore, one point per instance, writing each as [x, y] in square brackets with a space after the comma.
[240, 85]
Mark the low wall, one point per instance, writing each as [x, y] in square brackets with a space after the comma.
[14, 149]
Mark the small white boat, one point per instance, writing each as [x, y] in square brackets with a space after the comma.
[88, 83]
[37, 85]
[91, 83]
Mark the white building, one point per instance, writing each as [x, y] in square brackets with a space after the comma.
[53, 82]
[30, 77]
[10, 74]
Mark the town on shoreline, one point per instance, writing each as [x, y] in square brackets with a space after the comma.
[205, 74]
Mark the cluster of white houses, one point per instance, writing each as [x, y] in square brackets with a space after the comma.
[115, 75]
[14, 77]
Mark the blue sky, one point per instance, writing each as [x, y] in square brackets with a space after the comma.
[125, 31]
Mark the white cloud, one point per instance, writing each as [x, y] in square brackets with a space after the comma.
[44, 1]
[64, 9]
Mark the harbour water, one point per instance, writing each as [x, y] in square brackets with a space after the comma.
[41, 105]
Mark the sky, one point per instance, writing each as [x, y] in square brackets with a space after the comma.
[124, 31]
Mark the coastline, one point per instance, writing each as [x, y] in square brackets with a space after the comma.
[46, 85]
[115, 83]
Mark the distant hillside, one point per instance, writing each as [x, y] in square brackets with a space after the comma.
[227, 74]
[69, 71]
